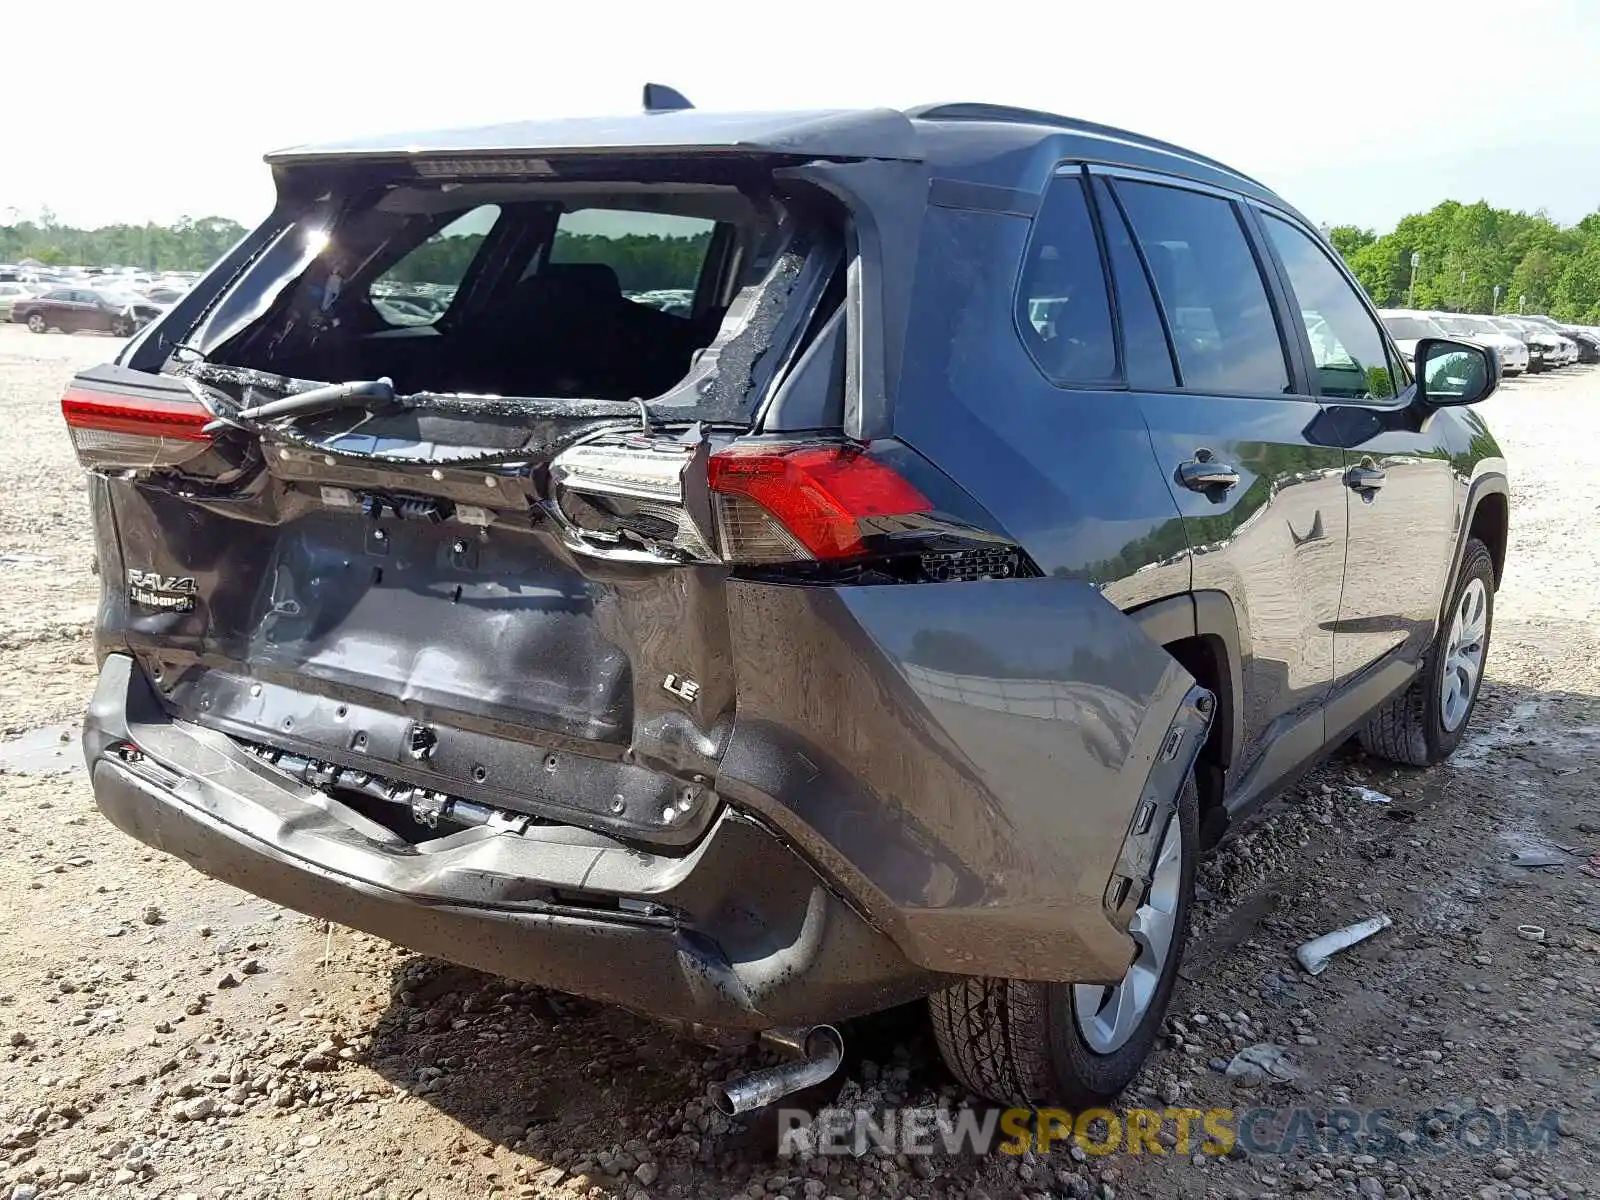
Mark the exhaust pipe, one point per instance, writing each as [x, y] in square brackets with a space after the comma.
[821, 1050]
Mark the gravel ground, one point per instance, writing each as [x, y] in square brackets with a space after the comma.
[165, 1035]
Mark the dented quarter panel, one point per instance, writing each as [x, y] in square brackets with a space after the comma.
[965, 759]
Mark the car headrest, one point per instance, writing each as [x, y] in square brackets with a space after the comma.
[582, 281]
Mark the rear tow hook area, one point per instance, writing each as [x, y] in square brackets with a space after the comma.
[820, 1050]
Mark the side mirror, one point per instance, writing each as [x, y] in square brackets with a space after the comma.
[1452, 373]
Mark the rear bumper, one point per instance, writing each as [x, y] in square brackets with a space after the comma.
[923, 782]
[738, 932]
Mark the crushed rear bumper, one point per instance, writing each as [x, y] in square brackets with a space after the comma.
[738, 932]
[922, 782]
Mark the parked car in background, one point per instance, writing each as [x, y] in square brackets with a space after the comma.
[10, 293]
[763, 654]
[1544, 349]
[1566, 352]
[1573, 352]
[1588, 343]
[74, 310]
[1513, 351]
[1408, 326]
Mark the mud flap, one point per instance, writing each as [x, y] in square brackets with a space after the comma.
[979, 765]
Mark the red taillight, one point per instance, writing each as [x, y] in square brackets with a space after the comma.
[812, 499]
[111, 431]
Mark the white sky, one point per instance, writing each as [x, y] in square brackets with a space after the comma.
[1355, 110]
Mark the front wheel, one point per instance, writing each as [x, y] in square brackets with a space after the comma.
[1425, 723]
[121, 327]
[37, 323]
[1077, 1045]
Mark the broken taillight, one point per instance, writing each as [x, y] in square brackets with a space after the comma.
[778, 503]
[764, 503]
[117, 432]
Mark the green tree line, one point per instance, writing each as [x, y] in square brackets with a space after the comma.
[643, 262]
[187, 245]
[1468, 249]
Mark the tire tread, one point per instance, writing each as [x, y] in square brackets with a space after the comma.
[1398, 729]
[993, 1034]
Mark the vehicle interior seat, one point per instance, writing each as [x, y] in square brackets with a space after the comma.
[569, 331]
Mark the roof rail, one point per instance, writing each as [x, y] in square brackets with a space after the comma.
[978, 111]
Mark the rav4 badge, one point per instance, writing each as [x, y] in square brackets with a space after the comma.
[171, 593]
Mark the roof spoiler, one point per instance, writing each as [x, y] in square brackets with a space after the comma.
[658, 97]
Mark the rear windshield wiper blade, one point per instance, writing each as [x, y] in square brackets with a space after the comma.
[374, 395]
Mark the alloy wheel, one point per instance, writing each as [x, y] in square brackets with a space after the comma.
[1108, 1016]
[1464, 652]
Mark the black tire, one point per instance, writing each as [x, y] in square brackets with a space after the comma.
[1018, 1043]
[122, 327]
[1409, 728]
[37, 323]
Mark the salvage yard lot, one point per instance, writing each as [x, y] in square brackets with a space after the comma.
[164, 1035]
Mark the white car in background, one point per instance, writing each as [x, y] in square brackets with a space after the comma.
[1513, 351]
[1567, 343]
[1558, 351]
[1407, 327]
[10, 293]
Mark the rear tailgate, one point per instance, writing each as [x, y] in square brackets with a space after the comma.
[421, 623]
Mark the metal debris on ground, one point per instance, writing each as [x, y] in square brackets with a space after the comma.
[1370, 795]
[1315, 954]
[1536, 859]
[1262, 1061]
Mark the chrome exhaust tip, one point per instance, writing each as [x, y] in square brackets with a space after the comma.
[821, 1050]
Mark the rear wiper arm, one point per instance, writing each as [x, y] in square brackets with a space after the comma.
[374, 394]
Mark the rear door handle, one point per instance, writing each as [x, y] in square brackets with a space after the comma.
[1202, 473]
[1365, 476]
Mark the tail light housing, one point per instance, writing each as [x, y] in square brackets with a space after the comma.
[809, 501]
[812, 505]
[111, 431]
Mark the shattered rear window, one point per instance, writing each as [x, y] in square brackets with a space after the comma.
[604, 293]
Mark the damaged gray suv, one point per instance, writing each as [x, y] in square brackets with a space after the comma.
[759, 570]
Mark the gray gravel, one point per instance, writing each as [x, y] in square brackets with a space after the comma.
[219, 1047]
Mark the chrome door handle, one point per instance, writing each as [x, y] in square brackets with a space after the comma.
[1205, 474]
[1365, 476]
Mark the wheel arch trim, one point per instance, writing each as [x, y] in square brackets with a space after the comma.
[1484, 486]
[1204, 614]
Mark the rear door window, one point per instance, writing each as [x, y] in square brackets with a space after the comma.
[1146, 357]
[1063, 312]
[420, 286]
[1347, 349]
[1210, 288]
[651, 258]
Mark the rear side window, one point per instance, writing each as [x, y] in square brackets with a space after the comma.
[1210, 289]
[1062, 309]
[419, 288]
[1347, 350]
[654, 258]
[1147, 360]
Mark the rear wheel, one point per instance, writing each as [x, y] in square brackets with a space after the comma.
[1425, 723]
[37, 323]
[1025, 1044]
